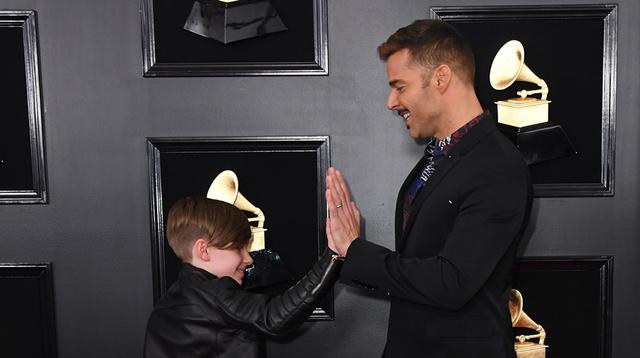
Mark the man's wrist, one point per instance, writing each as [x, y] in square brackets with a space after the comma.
[346, 249]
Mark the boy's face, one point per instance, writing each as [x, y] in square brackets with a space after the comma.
[229, 262]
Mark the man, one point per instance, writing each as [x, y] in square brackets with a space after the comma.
[459, 214]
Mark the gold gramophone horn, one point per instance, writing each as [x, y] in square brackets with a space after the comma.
[225, 188]
[521, 319]
[508, 66]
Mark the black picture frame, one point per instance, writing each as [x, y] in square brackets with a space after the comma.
[581, 75]
[571, 297]
[171, 51]
[23, 177]
[284, 176]
[28, 311]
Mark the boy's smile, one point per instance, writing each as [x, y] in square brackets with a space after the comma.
[229, 262]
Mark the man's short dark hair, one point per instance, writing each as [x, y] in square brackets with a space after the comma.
[432, 43]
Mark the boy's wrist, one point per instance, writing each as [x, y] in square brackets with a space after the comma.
[336, 257]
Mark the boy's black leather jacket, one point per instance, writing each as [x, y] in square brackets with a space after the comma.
[205, 316]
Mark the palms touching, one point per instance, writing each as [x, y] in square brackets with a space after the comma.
[343, 224]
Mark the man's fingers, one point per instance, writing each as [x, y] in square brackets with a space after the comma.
[343, 225]
[338, 215]
[355, 217]
[336, 199]
[333, 183]
[347, 215]
[339, 186]
[343, 188]
[330, 203]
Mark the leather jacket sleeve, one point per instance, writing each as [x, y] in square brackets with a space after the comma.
[274, 316]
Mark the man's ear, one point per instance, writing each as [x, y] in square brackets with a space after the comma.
[441, 77]
[200, 249]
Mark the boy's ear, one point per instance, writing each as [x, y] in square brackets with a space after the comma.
[200, 249]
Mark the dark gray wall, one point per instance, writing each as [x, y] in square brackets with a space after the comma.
[99, 109]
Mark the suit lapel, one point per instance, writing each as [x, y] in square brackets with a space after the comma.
[471, 138]
[400, 199]
[443, 168]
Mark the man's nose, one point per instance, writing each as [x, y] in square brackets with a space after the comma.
[392, 100]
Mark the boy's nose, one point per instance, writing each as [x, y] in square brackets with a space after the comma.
[247, 259]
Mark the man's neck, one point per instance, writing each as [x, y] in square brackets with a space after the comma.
[462, 107]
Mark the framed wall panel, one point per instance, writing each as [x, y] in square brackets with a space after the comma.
[571, 297]
[22, 165]
[28, 326]
[573, 48]
[169, 50]
[283, 176]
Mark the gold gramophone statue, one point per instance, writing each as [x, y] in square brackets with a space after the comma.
[523, 346]
[267, 268]
[508, 66]
[225, 188]
[525, 119]
[233, 20]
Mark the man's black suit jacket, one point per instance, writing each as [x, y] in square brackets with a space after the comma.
[450, 276]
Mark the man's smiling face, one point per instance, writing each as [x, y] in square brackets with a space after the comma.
[413, 95]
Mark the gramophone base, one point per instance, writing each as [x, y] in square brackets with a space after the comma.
[530, 350]
[540, 142]
[523, 112]
[268, 269]
[233, 21]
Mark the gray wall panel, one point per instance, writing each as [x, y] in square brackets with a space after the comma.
[99, 109]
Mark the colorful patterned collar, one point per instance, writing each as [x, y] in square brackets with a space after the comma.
[438, 147]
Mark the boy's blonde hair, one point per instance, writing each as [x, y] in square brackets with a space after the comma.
[223, 225]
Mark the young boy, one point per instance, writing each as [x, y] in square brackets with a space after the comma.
[206, 313]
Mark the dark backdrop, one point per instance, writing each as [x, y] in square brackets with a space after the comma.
[99, 111]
